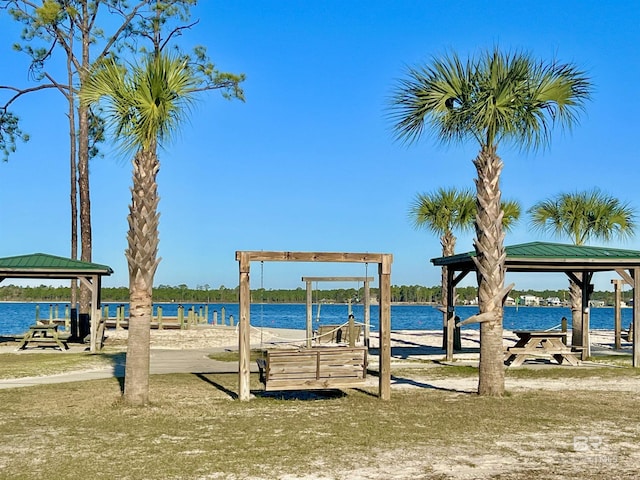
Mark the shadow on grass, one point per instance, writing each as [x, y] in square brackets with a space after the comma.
[307, 395]
[427, 386]
[217, 385]
[407, 352]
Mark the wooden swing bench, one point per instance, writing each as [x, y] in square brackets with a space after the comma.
[316, 368]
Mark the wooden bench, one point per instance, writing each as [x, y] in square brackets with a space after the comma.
[314, 368]
[337, 333]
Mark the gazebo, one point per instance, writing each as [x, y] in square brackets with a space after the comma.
[41, 265]
[579, 263]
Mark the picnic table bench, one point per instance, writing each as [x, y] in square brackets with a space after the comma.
[540, 344]
[314, 368]
[44, 335]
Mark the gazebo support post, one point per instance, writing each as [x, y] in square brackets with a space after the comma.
[617, 317]
[586, 293]
[636, 318]
[450, 314]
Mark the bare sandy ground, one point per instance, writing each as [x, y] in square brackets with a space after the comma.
[535, 452]
[407, 348]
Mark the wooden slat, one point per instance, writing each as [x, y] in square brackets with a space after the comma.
[318, 368]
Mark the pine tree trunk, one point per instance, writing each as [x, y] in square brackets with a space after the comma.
[142, 258]
[86, 237]
[490, 261]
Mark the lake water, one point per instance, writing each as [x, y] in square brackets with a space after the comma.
[15, 318]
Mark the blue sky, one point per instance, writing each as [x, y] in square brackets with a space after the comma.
[308, 163]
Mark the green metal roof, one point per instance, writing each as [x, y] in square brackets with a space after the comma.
[544, 256]
[41, 263]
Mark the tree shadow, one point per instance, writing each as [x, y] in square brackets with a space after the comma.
[427, 386]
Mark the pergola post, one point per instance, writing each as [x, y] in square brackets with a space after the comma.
[309, 313]
[367, 312]
[384, 360]
[244, 335]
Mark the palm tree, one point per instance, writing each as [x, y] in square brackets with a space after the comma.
[444, 211]
[497, 97]
[580, 217]
[144, 105]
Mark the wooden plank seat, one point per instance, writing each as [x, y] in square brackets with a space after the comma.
[314, 368]
[337, 333]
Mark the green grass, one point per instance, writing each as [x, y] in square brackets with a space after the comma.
[16, 365]
[193, 429]
[234, 356]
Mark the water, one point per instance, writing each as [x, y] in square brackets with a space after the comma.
[15, 318]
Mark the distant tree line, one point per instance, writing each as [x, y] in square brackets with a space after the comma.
[204, 294]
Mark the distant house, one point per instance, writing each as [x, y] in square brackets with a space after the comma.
[553, 302]
[510, 301]
[529, 300]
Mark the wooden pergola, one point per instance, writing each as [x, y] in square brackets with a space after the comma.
[44, 266]
[383, 260]
[365, 301]
[578, 263]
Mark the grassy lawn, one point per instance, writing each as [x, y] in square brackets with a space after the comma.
[195, 430]
[16, 365]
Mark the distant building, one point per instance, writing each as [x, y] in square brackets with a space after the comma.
[596, 303]
[553, 302]
[529, 300]
[510, 301]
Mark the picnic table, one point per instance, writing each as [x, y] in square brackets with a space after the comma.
[44, 335]
[539, 344]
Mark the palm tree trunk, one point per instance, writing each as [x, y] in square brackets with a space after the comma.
[575, 294]
[490, 260]
[448, 242]
[142, 258]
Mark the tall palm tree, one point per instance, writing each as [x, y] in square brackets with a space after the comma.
[444, 211]
[580, 217]
[494, 98]
[144, 105]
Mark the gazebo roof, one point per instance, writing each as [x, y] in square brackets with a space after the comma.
[41, 265]
[549, 257]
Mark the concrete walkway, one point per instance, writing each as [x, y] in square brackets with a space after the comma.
[162, 361]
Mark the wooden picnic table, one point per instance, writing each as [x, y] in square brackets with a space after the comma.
[43, 335]
[539, 344]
